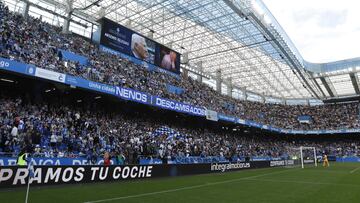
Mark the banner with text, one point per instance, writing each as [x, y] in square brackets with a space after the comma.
[14, 176]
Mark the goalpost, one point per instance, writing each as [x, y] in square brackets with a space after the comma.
[302, 155]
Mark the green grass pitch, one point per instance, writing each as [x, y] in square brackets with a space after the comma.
[339, 183]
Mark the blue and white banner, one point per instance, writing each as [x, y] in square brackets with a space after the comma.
[348, 159]
[304, 119]
[132, 95]
[150, 161]
[241, 121]
[297, 131]
[50, 75]
[274, 129]
[227, 118]
[212, 115]
[43, 161]
[174, 89]
[99, 87]
[254, 124]
[14, 66]
[123, 93]
[177, 106]
[266, 158]
[67, 55]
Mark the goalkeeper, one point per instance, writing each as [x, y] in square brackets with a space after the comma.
[325, 161]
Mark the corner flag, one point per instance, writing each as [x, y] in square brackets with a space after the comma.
[31, 169]
[30, 176]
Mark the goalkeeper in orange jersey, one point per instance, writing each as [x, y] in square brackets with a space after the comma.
[325, 161]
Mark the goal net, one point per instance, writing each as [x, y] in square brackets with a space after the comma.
[304, 156]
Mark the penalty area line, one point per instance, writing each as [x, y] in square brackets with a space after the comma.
[186, 188]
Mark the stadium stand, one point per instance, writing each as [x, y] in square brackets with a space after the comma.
[172, 101]
[57, 130]
[35, 42]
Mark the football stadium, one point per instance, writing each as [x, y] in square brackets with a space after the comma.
[177, 101]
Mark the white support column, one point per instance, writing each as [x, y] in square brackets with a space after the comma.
[218, 81]
[243, 90]
[170, 45]
[200, 69]
[185, 58]
[66, 25]
[150, 34]
[102, 12]
[128, 23]
[68, 10]
[229, 87]
[245, 94]
[26, 9]
[262, 99]
[185, 73]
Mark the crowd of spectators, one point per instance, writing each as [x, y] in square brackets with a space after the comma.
[57, 129]
[35, 42]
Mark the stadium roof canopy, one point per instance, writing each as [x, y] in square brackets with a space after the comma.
[239, 37]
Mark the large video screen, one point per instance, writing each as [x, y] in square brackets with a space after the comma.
[124, 40]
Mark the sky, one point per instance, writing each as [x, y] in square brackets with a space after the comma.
[322, 30]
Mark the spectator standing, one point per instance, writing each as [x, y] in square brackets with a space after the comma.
[107, 159]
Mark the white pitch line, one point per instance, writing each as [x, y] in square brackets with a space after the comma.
[303, 182]
[352, 171]
[186, 188]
